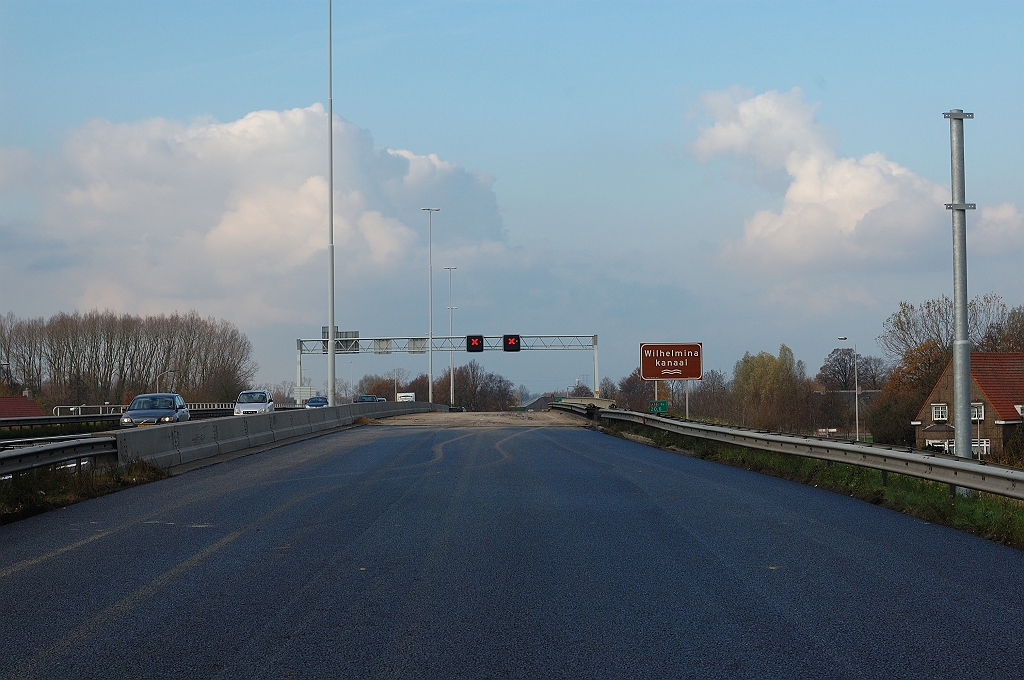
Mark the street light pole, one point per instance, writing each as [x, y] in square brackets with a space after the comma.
[430, 302]
[856, 386]
[331, 359]
[173, 370]
[451, 351]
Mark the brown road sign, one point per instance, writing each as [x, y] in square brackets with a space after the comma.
[671, 361]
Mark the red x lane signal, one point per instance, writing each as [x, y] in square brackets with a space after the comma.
[510, 343]
[474, 343]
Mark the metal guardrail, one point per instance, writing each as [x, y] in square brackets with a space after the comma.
[578, 409]
[936, 467]
[59, 420]
[25, 442]
[20, 460]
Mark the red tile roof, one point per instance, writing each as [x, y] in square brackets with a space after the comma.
[19, 407]
[1001, 378]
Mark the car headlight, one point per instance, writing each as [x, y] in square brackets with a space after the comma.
[167, 419]
[126, 421]
[238, 411]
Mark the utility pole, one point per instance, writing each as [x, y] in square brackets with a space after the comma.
[961, 343]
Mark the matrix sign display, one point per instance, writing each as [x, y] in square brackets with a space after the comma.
[510, 343]
[474, 343]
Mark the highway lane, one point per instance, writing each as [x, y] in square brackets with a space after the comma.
[497, 552]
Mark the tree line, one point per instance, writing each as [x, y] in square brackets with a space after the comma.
[476, 388]
[99, 357]
[765, 391]
[775, 392]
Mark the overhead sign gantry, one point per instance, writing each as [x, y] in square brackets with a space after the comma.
[349, 342]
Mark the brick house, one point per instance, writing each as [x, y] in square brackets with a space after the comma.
[997, 399]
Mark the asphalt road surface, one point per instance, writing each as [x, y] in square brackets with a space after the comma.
[390, 552]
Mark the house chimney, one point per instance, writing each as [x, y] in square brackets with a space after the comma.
[27, 394]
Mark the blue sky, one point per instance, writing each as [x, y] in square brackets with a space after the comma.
[590, 178]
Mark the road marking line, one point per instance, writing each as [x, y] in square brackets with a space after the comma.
[148, 519]
[79, 635]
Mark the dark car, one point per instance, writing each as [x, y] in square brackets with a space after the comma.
[316, 402]
[365, 398]
[155, 409]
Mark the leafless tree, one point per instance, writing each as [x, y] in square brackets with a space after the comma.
[608, 388]
[581, 390]
[912, 326]
[634, 392]
[105, 357]
[873, 372]
[1006, 335]
[837, 373]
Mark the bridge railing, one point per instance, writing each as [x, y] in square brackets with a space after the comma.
[105, 409]
[936, 467]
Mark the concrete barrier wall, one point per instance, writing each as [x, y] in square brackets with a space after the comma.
[154, 444]
[169, 445]
[231, 433]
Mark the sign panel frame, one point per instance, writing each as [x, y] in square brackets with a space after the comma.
[671, 361]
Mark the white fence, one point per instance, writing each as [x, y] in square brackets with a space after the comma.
[104, 409]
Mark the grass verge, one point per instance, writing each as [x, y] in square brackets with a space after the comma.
[363, 420]
[993, 517]
[38, 491]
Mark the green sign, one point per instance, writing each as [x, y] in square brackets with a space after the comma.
[660, 406]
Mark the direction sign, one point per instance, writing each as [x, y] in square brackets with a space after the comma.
[660, 361]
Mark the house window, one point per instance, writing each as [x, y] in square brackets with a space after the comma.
[979, 447]
[977, 412]
[940, 412]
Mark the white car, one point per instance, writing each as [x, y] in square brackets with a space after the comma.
[252, 402]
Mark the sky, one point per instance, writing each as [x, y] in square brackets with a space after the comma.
[737, 174]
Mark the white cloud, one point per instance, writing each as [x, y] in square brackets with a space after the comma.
[998, 229]
[231, 218]
[869, 210]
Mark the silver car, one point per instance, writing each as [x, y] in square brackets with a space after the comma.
[251, 402]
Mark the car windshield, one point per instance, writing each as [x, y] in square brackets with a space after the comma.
[252, 398]
[148, 403]
[318, 400]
